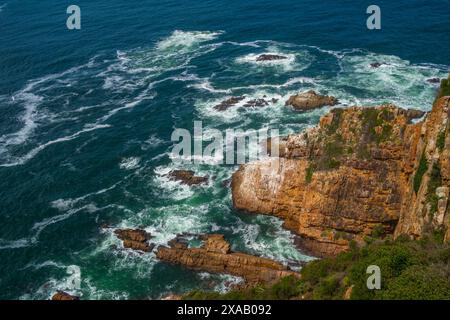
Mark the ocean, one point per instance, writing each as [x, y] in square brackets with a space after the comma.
[86, 118]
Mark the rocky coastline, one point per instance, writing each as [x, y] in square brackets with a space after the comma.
[362, 172]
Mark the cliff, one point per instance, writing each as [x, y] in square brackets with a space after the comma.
[362, 172]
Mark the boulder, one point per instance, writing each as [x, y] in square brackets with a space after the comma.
[310, 100]
[135, 239]
[64, 296]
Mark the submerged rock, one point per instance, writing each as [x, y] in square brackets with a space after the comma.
[231, 102]
[256, 103]
[215, 256]
[135, 239]
[64, 296]
[270, 57]
[310, 100]
[187, 177]
[434, 80]
[376, 64]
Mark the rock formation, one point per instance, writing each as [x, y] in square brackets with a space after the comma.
[216, 256]
[135, 239]
[310, 100]
[64, 296]
[270, 57]
[363, 172]
[226, 104]
[187, 177]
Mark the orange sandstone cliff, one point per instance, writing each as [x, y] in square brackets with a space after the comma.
[362, 172]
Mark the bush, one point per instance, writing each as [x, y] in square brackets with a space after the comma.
[409, 270]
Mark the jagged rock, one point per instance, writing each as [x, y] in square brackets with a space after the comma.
[224, 105]
[434, 80]
[256, 103]
[187, 177]
[215, 256]
[64, 296]
[349, 177]
[310, 100]
[376, 64]
[135, 239]
[270, 57]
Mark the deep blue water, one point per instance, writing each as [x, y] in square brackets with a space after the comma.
[86, 118]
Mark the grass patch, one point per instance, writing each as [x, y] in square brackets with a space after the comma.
[309, 173]
[423, 167]
[445, 88]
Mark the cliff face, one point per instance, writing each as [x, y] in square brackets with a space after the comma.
[215, 256]
[361, 172]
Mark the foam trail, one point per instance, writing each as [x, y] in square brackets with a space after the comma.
[35, 151]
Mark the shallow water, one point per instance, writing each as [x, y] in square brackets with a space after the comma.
[86, 120]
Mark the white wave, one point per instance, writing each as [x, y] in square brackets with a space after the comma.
[130, 163]
[14, 244]
[31, 154]
[179, 40]
[173, 189]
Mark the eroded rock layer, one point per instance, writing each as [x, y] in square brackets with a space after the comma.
[216, 256]
[362, 172]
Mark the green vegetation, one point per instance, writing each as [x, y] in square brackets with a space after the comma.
[440, 142]
[409, 270]
[309, 173]
[375, 118]
[423, 167]
[433, 184]
[445, 88]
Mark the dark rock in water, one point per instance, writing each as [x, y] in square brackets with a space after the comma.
[274, 100]
[310, 100]
[226, 183]
[256, 103]
[376, 64]
[270, 57]
[187, 177]
[414, 114]
[224, 105]
[135, 239]
[64, 296]
[434, 80]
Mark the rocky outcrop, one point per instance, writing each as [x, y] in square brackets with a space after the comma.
[64, 296]
[252, 103]
[310, 100]
[270, 57]
[216, 256]
[226, 104]
[363, 172]
[135, 239]
[187, 177]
